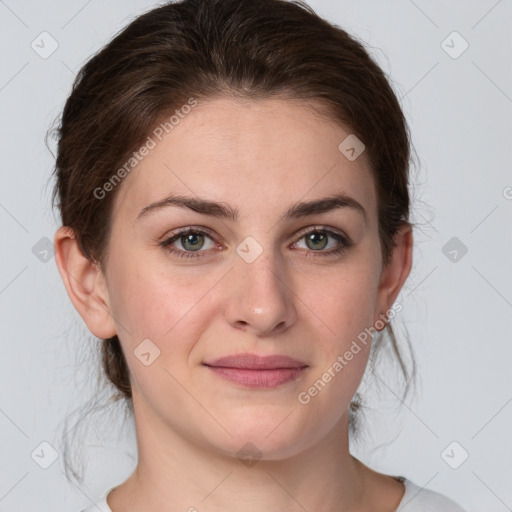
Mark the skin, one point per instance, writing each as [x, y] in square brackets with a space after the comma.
[260, 157]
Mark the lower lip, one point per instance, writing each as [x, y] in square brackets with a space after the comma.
[258, 378]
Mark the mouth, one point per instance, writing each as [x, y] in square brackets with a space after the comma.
[256, 362]
[254, 371]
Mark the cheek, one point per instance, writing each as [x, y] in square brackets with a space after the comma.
[347, 306]
[343, 353]
[159, 305]
[172, 316]
[345, 309]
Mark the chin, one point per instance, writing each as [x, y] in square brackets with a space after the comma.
[263, 439]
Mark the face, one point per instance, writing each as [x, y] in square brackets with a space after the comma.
[257, 280]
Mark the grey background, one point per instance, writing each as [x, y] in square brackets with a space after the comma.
[457, 312]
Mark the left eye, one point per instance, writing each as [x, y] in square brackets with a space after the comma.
[318, 239]
[193, 240]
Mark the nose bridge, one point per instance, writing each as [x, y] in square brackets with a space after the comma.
[266, 271]
[261, 297]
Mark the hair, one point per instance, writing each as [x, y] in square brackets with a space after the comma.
[203, 49]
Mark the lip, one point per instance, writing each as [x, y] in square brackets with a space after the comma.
[254, 371]
[256, 362]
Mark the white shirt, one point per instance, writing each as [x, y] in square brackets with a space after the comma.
[415, 499]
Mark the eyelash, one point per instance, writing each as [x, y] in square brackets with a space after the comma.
[345, 243]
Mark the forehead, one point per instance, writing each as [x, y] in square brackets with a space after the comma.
[248, 153]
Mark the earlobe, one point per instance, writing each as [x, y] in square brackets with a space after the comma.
[394, 275]
[85, 284]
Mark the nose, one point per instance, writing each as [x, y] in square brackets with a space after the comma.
[261, 299]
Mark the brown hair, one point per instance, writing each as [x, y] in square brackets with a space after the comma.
[207, 48]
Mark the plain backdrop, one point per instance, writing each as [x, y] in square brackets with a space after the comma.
[453, 436]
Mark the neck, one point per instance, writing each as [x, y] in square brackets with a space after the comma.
[176, 472]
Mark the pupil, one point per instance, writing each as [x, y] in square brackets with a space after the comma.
[313, 237]
[191, 238]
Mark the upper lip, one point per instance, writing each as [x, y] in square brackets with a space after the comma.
[256, 362]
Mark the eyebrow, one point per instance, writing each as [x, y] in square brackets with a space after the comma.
[228, 212]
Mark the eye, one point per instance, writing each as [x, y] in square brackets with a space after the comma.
[192, 241]
[317, 239]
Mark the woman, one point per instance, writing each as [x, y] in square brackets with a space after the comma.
[233, 185]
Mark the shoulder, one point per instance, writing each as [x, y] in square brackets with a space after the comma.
[418, 499]
[101, 504]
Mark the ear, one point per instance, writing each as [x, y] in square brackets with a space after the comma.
[395, 273]
[85, 284]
